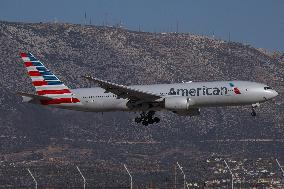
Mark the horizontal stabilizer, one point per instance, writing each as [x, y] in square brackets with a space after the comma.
[33, 96]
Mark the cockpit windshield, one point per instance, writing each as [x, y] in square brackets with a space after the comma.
[267, 88]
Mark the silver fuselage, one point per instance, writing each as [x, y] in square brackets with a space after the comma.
[202, 94]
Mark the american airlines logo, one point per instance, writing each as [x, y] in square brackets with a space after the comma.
[205, 91]
[236, 90]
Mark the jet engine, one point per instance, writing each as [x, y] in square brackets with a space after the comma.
[178, 103]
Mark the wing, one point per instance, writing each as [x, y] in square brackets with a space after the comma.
[124, 91]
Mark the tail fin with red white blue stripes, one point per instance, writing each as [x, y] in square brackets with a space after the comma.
[46, 83]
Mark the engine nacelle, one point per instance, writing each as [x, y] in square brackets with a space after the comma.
[178, 103]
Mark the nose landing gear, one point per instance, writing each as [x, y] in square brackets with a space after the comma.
[147, 118]
[253, 106]
[253, 113]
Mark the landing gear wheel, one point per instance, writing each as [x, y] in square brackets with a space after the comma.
[138, 119]
[156, 119]
[253, 113]
[253, 106]
[145, 123]
[150, 121]
[147, 118]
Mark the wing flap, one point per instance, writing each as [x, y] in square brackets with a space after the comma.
[124, 91]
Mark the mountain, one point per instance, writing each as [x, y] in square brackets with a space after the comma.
[40, 137]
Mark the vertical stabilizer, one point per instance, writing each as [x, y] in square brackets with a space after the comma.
[46, 83]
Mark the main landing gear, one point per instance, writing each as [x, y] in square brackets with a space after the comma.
[147, 118]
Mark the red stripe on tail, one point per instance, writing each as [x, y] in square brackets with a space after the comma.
[34, 73]
[24, 54]
[59, 101]
[28, 64]
[39, 83]
[44, 92]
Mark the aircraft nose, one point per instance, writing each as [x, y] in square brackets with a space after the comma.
[275, 94]
[272, 94]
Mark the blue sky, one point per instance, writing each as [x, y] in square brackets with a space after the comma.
[256, 22]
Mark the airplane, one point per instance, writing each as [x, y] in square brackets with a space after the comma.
[184, 99]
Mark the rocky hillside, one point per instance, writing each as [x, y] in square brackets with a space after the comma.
[33, 133]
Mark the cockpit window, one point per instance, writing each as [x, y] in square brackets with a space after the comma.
[266, 88]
